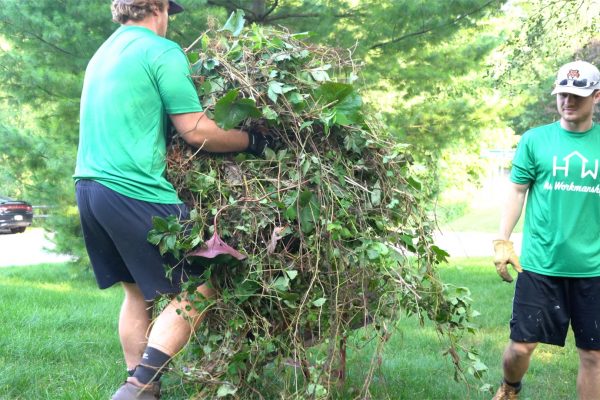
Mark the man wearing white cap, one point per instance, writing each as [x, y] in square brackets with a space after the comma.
[137, 85]
[556, 167]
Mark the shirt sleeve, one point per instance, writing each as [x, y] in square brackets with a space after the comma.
[523, 166]
[175, 84]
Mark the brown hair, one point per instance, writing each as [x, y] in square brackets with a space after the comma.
[135, 10]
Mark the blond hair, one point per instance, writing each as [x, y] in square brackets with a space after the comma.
[135, 10]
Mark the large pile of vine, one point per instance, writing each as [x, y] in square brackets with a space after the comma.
[328, 223]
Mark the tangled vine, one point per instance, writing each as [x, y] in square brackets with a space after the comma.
[323, 236]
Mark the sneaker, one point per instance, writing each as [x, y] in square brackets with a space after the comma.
[129, 391]
[507, 392]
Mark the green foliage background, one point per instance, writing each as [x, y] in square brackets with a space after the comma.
[47, 44]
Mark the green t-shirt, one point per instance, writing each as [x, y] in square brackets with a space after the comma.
[135, 79]
[561, 235]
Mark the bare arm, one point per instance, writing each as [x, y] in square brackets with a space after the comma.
[513, 207]
[200, 131]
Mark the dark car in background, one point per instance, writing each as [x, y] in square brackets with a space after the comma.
[15, 215]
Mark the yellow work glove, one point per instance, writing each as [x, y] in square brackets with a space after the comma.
[504, 253]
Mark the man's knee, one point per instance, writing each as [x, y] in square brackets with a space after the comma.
[589, 358]
[521, 349]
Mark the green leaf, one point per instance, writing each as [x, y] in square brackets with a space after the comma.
[414, 183]
[320, 74]
[346, 103]
[226, 390]
[295, 98]
[209, 64]
[204, 42]
[305, 197]
[268, 113]
[154, 238]
[348, 110]
[170, 241]
[230, 111]
[316, 390]
[160, 224]
[309, 212]
[319, 302]
[281, 284]
[244, 290]
[306, 124]
[292, 274]
[291, 213]
[235, 23]
[331, 92]
[275, 88]
[376, 250]
[376, 194]
[193, 57]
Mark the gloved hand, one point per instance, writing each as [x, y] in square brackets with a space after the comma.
[505, 254]
[257, 142]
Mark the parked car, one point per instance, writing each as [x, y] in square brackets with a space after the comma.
[15, 215]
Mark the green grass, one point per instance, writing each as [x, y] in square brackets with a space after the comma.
[58, 340]
[414, 368]
[57, 336]
[480, 219]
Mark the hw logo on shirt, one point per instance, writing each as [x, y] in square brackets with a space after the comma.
[569, 168]
[567, 160]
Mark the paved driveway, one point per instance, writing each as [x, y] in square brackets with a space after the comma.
[472, 244]
[27, 248]
[31, 247]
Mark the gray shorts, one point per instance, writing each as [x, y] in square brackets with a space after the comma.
[115, 230]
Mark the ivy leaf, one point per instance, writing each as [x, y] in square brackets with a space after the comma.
[347, 103]
[305, 197]
[320, 74]
[275, 89]
[290, 213]
[376, 194]
[230, 111]
[292, 274]
[376, 250]
[319, 302]
[193, 57]
[210, 64]
[160, 224]
[348, 110]
[414, 183]
[154, 238]
[309, 212]
[235, 23]
[226, 390]
[245, 290]
[281, 284]
[268, 113]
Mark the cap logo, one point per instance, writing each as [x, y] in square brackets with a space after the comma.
[573, 74]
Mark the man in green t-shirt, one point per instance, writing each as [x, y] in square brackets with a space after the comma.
[136, 85]
[556, 167]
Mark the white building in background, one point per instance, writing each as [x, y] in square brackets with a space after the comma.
[499, 162]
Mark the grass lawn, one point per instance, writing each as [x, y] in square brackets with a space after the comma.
[480, 219]
[58, 340]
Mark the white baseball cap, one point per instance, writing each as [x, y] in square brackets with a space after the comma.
[578, 77]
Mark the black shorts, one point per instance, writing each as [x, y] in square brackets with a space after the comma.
[115, 230]
[544, 305]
